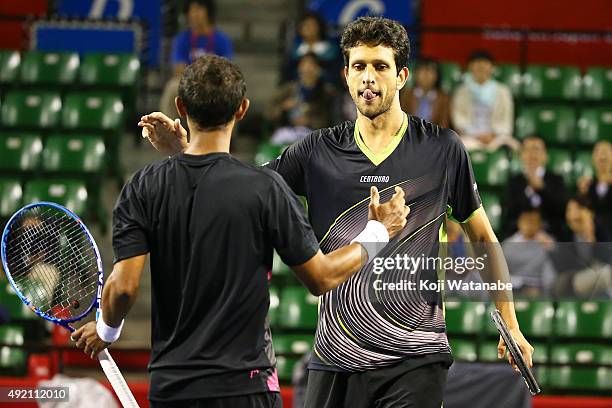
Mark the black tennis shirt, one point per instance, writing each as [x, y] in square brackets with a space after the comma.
[210, 223]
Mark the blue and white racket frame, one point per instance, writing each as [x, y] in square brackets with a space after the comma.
[106, 361]
[95, 304]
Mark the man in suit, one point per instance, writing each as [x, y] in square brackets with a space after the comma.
[535, 188]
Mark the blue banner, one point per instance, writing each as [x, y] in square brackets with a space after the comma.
[341, 12]
[145, 10]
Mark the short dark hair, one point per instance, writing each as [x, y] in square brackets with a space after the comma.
[583, 200]
[209, 5]
[428, 62]
[481, 55]
[373, 31]
[212, 89]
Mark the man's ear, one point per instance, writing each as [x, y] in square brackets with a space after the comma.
[180, 107]
[242, 109]
[402, 77]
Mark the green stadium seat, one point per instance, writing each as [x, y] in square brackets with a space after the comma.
[450, 76]
[49, 68]
[119, 70]
[292, 343]
[560, 162]
[298, 309]
[274, 305]
[10, 197]
[535, 317]
[70, 193]
[491, 169]
[13, 304]
[583, 164]
[587, 319]
[13, 362]
[463, 350]
[551, 82]
[93, 111]
[597, 84]
[464, 317]
[492, 206]
[9, 66]
[73, 154]
[510, 75]
[582, 354]
[31, 109]
[11, 335]
[580, 371]
[284, 367]
[20, 153]
[580, 378]
[595, 124]
[555, 124]
[267, 152]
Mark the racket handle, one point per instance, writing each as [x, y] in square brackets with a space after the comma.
[116, 380]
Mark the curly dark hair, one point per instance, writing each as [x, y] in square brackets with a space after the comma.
[212, 89]
[373, 31]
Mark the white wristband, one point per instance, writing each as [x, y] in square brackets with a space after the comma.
[107, 333]
[373, 238]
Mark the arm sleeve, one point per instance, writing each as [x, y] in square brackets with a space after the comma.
[460, 114]
[463, 196]
[180, 49]
[503, 123]
[290, 233]
[129, 223]
[292, 164]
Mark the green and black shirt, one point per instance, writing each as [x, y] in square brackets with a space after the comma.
[360, 328]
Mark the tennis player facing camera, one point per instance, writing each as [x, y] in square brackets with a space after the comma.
[209, 223]
[377, 348]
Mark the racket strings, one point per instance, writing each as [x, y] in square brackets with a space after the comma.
[52, 262]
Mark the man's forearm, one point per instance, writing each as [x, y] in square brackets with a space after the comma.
[121, 289]
[116, 303]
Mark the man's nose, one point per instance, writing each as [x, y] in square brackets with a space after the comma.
[368, 77]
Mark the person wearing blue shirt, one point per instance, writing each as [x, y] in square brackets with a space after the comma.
[201, 38]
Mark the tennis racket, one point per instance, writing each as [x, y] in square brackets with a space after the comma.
[515, 351]
[53, 264]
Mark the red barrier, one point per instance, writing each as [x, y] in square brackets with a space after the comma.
[542, 14]
[20, 8]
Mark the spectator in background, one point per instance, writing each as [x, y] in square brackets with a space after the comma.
[201, 38]
[426, 100]
[599, 190]
[302, 105]
[527, 252]
[583, 266]
[482, 109]
[535, 188]
[312, 39]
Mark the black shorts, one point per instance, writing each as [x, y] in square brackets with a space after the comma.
[261, 400]
[413, 383]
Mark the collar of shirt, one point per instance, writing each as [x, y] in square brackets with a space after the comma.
[602, 189]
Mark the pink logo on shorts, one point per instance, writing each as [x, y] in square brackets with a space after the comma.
[273, 382]
[253, 373]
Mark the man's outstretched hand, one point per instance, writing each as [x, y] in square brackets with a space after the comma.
[166, 135]
[391, 214]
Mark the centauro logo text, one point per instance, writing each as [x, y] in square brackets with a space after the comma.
[374, 179]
